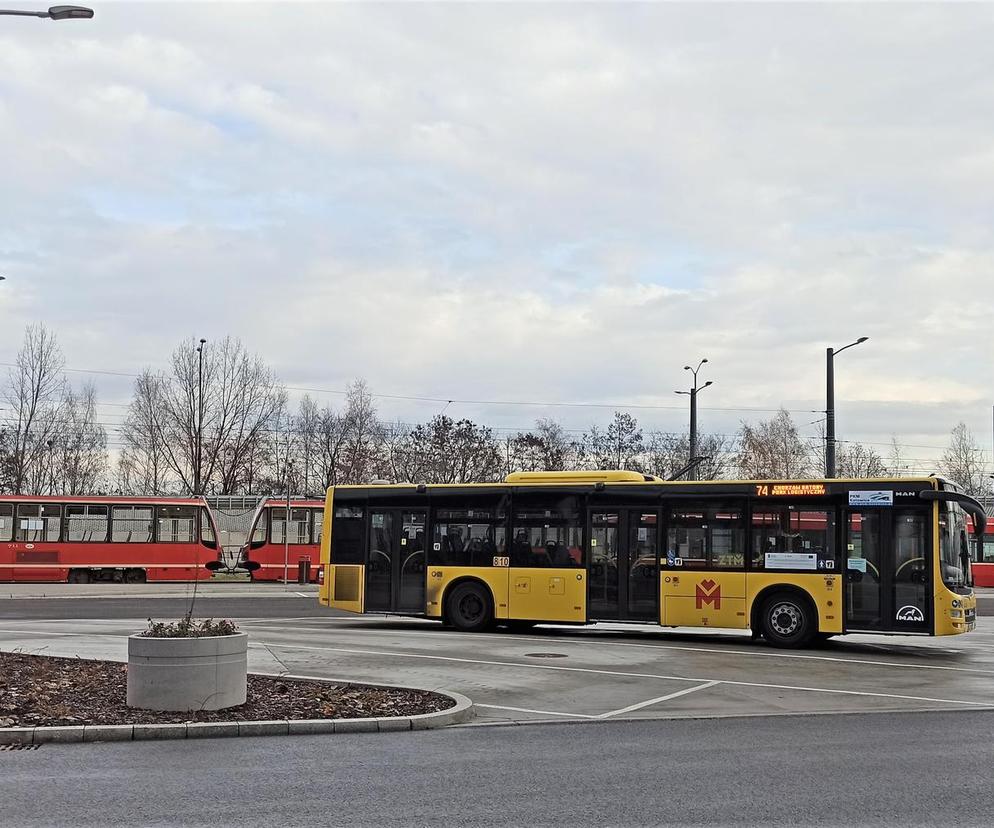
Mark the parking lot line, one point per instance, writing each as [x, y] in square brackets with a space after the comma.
[538, 712]
[394, 654]
[651, 702]
[590, 637]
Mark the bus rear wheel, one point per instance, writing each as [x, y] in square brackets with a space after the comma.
[469, 608]
[787, 620]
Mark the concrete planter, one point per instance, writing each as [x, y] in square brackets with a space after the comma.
[184, 674]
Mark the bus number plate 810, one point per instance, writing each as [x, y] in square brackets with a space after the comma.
[500, 561]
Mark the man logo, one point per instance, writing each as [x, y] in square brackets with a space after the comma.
[910, 613]
[708, 592]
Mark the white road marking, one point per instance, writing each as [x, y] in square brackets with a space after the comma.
[587, 638]
[538, 712]
[592, 670]
[650, 702]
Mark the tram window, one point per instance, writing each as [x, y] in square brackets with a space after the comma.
[298, 526]
[38, 523]
[790, 537]
[207, 537]
[467, 537]
[131, 524]
[6, 521]
[87, 523]
[318, 524]
[547, 532]
[347, 535]
[708, 537]
[177, 524]
[259, 533]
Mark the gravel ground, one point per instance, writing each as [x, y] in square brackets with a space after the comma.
[38, 690]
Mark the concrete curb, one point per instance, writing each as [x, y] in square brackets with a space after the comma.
[459, 714]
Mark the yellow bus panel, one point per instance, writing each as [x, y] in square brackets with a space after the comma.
[547, 594]
[703, 599]
[440, 578]
[824, 589]
[345, 586]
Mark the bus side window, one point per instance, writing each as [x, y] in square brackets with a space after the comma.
[347, 536]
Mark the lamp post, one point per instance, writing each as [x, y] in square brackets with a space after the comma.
[53, 13]
[830, 354]
[692, 393]
[198, 450]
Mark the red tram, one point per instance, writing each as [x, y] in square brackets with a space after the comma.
[983, 572]
[268, 555]
[90, 538]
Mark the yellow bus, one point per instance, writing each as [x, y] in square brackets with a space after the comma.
[791, 560]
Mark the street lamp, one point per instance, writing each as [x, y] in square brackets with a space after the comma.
[830, 405]
[54, 13]
[200, 417]
[692, 393]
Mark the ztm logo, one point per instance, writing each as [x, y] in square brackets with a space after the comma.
[708, 592]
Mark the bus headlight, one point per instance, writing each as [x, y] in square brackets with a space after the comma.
[955, 613]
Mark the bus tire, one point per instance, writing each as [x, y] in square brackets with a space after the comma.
[469, 608]
[787, 620]
[134, 576]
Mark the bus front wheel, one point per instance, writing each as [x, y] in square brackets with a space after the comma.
[469, 608]
[787, 621]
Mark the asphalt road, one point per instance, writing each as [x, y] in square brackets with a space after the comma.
[37, 609]
[876, 769]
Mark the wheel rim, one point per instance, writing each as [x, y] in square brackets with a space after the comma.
[786, 618]
[471, 607]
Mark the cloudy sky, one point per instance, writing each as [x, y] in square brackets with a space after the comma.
[527, 203]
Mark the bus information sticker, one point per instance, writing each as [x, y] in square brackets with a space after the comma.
[791, 560]
[859, 564]
[871, 497]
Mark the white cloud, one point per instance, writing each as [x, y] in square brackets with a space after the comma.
[516, 202]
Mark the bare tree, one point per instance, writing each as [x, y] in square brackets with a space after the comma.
[858, 461]
[79, 446]
[445, 451]
[896, 462]
[142, 465]
[667, 453]
[364, 436]
[619, 446]
[548, 448]
[773, 449]
[242, 400]
[34, 393]
[963, 462]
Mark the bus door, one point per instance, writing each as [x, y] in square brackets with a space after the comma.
[395, 568]
[623, 570]
[888, 568]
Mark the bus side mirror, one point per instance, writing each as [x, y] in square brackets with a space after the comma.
[214, 566]
[251, 566]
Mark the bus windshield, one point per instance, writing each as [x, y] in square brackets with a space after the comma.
[954, 545]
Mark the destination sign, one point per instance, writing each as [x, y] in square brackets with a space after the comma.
[789, 489]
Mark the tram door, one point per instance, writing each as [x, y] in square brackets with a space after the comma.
[623, 566]
[395, 570]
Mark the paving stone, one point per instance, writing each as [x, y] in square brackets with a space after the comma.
[312, 726]
[356, 726]
[211, 730]
[58, 734]
[278, 727]
[160, 731]
[108, 733]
